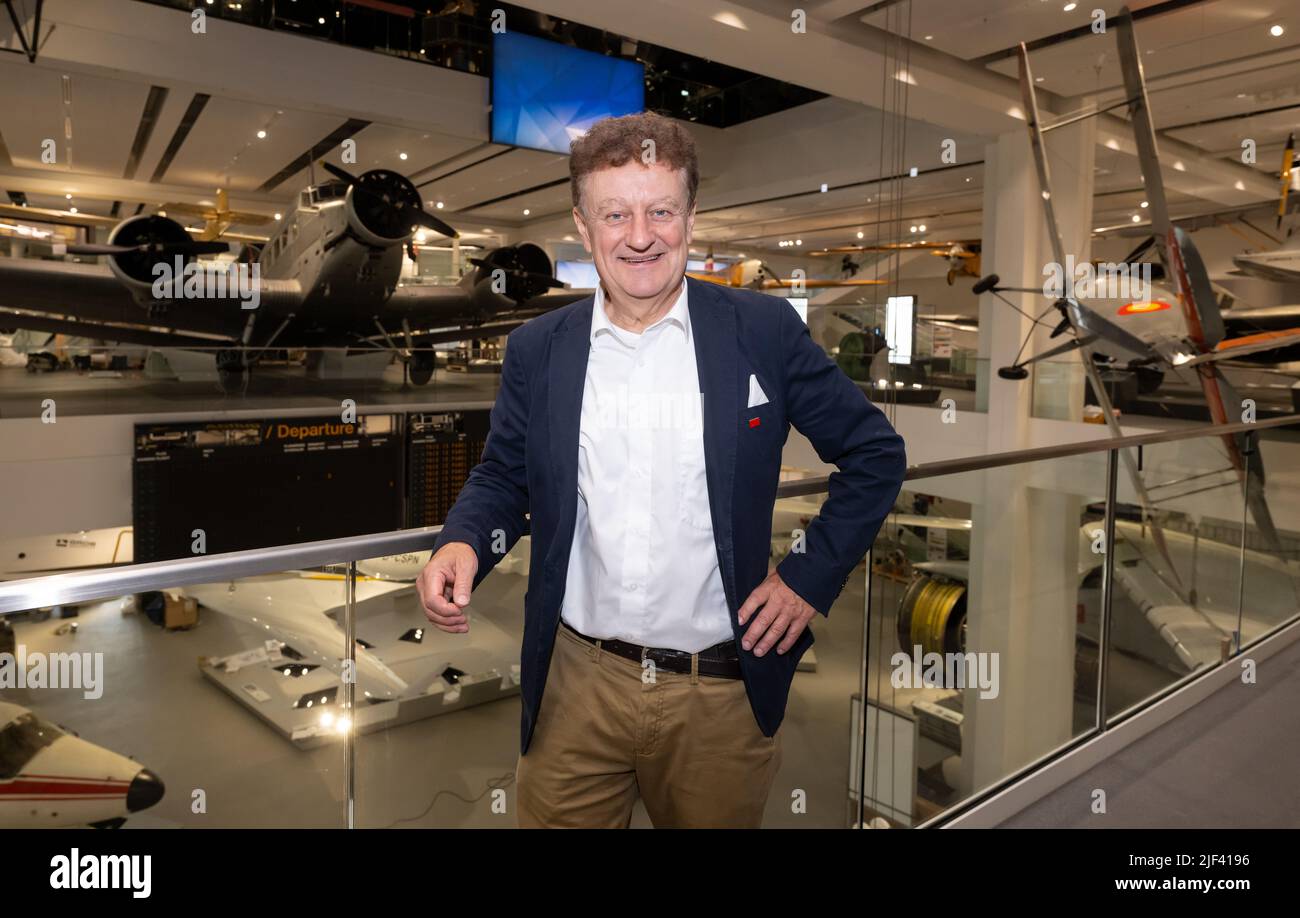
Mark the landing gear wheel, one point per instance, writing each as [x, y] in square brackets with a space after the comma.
[232, 372]
[420, 368]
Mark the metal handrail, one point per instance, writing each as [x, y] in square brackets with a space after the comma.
[803, 486]
[100, 583]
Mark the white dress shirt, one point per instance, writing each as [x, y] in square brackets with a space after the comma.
[644, 566]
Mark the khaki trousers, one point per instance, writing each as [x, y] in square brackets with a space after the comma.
[688, 745]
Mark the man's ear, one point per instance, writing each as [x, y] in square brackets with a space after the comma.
[582, 228]
[690, 225]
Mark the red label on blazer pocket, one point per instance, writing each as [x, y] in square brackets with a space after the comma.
[754, 422]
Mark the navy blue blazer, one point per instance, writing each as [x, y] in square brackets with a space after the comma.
[530, 466]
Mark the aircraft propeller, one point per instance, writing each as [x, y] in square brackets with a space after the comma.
[388, 203]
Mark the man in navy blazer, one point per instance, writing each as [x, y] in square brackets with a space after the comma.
[608, 714]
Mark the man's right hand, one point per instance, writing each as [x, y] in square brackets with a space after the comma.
[444, 586]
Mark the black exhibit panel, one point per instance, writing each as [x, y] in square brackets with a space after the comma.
[441, 450]
[255, 483]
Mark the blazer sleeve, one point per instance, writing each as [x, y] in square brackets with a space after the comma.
[850, 432]
[493, 504]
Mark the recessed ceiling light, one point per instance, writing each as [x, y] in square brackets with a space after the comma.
[1143, 204]
[401, 156]
[486, 230]
[686, 92]
[321, 20]
[914, 227]
[1070, 6]
[277, 216]
[859, 234]
[438, 205]
[929, 38]
[921, 227]
[823, 187]
[72, 210]
[1276, 31]
[912, 172]
[261, 135]
[798, 242]
[527, 211]
[1137, 219]
[68, 197]
[1039, 79]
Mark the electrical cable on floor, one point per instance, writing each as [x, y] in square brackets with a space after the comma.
[494, 784]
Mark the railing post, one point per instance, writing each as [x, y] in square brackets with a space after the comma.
[1107, 588]
[350, 694]
[861, 726]
[1249, 446]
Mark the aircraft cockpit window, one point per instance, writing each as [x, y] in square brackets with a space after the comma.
[21, 739]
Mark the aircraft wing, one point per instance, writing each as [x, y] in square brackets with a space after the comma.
[816, 283]
[439, 306]
[92, 293]
[1232, 348]
[293, 608]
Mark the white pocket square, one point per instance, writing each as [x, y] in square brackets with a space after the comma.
[756, 394]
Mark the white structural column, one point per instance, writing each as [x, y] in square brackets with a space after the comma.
[1022, 594]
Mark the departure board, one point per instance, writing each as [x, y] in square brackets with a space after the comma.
[230, 485]
[441, 450]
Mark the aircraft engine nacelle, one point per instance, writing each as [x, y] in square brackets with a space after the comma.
[510, 276]
[165, 239]
[932, 615]
[383, 208]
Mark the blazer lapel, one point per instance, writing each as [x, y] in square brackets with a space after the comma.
[566, 375]
[713, 329]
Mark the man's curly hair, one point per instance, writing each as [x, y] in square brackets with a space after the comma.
[615, 141]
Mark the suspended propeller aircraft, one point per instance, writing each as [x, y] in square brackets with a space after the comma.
[754, 274]
[1283, 263]
[963, 255]
[1200, 342]
[329, 277]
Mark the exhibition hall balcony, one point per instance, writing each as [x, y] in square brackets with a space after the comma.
[1086, 634]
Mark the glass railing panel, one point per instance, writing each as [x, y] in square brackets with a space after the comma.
[208, 706]
[980, 660]
[445, 750]
[1270, 591]
[813, 786]
[1177, 573]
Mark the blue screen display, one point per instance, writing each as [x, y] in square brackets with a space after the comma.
[545, 95]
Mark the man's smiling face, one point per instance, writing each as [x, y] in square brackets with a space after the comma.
[636, 222]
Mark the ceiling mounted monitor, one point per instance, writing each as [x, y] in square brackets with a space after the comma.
[544, 94]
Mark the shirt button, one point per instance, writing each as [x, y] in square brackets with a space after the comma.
[632, 587]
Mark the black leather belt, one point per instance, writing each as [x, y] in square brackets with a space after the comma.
[720, 660]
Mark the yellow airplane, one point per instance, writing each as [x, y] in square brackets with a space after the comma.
[963, 255]
[219, 218]
[752, 273]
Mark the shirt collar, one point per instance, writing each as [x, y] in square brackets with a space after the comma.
[679, 315]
